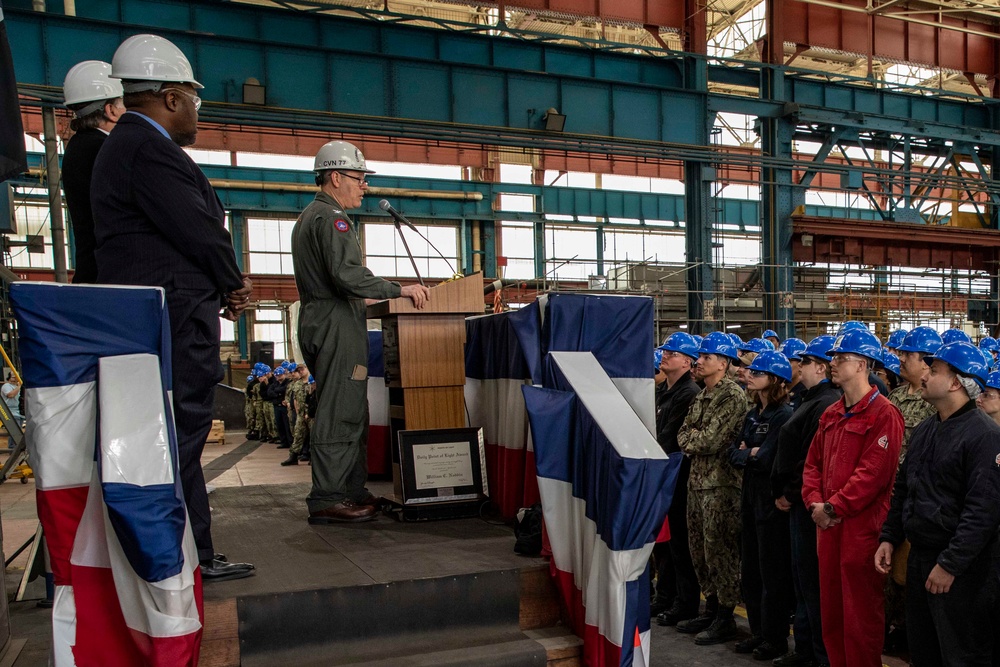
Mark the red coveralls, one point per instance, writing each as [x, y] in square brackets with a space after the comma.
[852, 465]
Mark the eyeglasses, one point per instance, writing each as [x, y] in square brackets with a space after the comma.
[757, 373]
[841, 357]
[194, 98]
[361, 181]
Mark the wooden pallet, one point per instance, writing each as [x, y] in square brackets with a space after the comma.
[217, 436]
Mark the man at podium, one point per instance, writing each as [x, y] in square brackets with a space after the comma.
[333, 284]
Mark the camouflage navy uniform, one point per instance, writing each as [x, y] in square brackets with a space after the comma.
[265, 418]
[297, 404]
[914, 409]
[714, 488]
[249, 411]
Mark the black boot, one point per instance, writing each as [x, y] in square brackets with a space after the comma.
[292, 460]
[722, 629]
[697, 624]
[252, 435]
[658, 605]
[676, 614]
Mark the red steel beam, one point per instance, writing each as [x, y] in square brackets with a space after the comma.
[844, 241]
[892, 38]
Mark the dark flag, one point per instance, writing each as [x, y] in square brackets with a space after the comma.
[13, 160]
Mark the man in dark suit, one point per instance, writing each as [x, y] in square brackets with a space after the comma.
[160, 223]
[96, 101]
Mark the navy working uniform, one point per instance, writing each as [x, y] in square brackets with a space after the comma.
[946, 502]
[333, 336]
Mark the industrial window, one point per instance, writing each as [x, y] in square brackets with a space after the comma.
[269, 242]
[386, 256]
[517, 244]
[571, 252]
[270, 325]
[33, 220]
[627, 245]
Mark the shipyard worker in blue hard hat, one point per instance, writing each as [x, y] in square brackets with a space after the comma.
[765, 570]
[786, 488]
[846, 485]
[772, 336]
[989, 399]
[791, 347]
[158, 222]
[333, 284]
[946, 502]
[715, 417]
[677, 592]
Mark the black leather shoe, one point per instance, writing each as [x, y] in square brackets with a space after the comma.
[221, 557]
[345, 512]
[719, 632]
[658, 605]
[693, 626]
[793, 660]
[219, 570]
[675, 615]
[769, 651]
[749, 644]
[292, 460]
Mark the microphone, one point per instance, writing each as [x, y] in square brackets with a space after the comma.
[396, 215]
[400, 218]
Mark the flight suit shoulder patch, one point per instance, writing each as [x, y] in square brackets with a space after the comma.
[341, 225]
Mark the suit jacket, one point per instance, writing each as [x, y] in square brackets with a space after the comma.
[158, 221]
[77, 168]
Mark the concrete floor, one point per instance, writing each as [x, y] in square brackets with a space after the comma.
[236, 464]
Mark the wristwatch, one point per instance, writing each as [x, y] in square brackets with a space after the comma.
[829, 510]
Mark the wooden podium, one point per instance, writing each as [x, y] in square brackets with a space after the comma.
[424, 354]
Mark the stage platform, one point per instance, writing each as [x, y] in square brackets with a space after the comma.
[381, 593]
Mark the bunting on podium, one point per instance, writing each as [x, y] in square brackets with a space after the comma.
[379, 454]
[101, 440]
[606, 487]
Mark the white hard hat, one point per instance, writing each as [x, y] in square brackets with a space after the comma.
[150, 58]
[340, 156]
[90, 81]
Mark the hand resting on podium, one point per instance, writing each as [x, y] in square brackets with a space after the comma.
[418, 294]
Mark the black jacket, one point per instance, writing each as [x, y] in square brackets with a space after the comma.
[275, 391]
[795, 438]
[760, 429]
[77, 169]
[671, 408]
[947, 493]
[158, 220]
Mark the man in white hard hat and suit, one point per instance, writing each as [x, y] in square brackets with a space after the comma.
[159, 222]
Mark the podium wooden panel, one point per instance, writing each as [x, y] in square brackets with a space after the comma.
[424, 354]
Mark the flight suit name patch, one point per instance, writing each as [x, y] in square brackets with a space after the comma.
[342, 225]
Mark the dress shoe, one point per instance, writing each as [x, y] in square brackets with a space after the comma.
[304, 458]
[675, 615]
[658, 605]
[344, 512]
[769, 651]
[220, 570]
[221, 557]
[292, 460]
[749, 644]
[368, 501]
[693, 626]
[793, 660]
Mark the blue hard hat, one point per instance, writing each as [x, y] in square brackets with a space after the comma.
[952, 335]
[773, 362]
[993, 380]
[891, 362]
[737, 341]
[858, 341]
[718, 343]
[963, 357]
[698, 339]
[756, 345]
[657, 359]
[921, 339]
[311, 380]
[683, 343]
[279, 371]
[896, 338]
[792, 347]
[851, 325]
[769, 333]
[818, 347]
[250, 378]
[989, 343]
[291, 366]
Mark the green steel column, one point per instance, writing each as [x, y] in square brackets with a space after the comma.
[237, 228]
[779, 198]
[698, 205]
